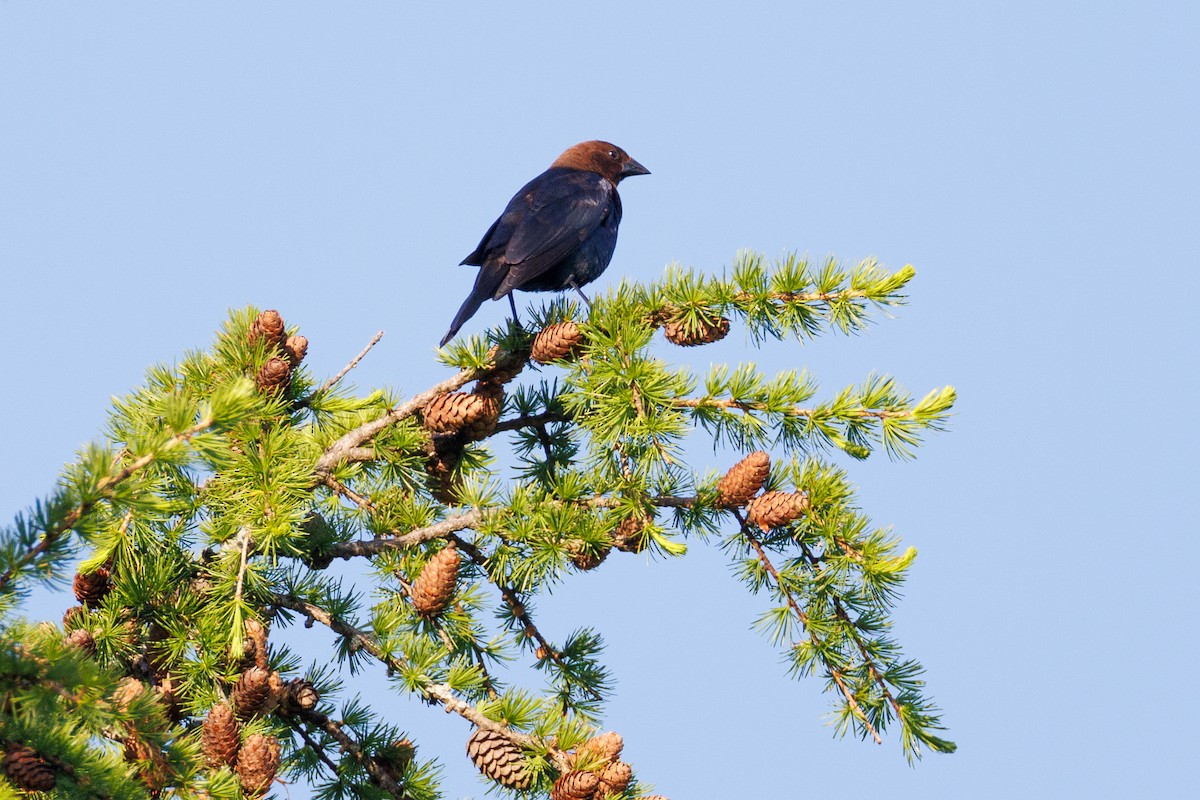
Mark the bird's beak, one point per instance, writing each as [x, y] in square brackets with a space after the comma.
[633, 168]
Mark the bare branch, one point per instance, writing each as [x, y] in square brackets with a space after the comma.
[329, 384]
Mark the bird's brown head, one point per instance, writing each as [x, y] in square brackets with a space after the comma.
[600, 157]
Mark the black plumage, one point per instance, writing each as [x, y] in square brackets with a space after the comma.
[557, 233]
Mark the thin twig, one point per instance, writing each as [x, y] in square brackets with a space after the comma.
[518, 609]
[345, 491]
[329, 384]
[868, 661]
[741, 405]
[241, 575]
[380, 776]
[531, 420]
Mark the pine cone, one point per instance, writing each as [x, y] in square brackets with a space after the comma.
[152, 766]
[27, 769]
[630, 536]
[775, 509]
[83, 639]
[605, 747]
[298, 694]
[75, 617]
[506, 364]
[684, 335]
[575, 785]
[614, 778]
[743, 480]
[274, 376]
[254, 645]
[295, 349]
[219, 737]
[585, 560]
[170, 694]
[158, 652]
[128, 690]
[397, 756]
[91, 588]
[257, 692]
[268, 325]
[473, 414]
[257, 763]
[479, 429]
[499, 759]
[446, 453]
[557, 341]
[433, 588]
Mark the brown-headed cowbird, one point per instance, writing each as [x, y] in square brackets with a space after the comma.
[557, 233]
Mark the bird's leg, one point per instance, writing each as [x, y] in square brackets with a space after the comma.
[575, 286]
[513, 305]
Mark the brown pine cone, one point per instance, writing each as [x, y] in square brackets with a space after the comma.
[90, 589]
[499, 759]
[575, 785]
[433, 588]
[557, 341]
[775, 509]
[274, 376]
[254, 645]
[614, 778]
[268, 325]
[605, 747]
[684, 335]
[397, 756]
[152, 766]
[83, 639]
[585, 560]
[257, 692]
[27, 769]
[257, 763]
[473, 414]
[743, 480]
[128, 690]
[75, 617]
[506, 364]
[298, 694]
[479, 429]
[630, 536]
[295, 349]
[219, 737]
[170, 694]
[445, 454]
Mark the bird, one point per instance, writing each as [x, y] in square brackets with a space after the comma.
[558, 232]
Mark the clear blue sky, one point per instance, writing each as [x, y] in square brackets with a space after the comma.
[1036, 162]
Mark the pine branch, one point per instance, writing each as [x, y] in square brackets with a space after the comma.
[380, 776]
[103, 490]
[834, 672]
[439, 692]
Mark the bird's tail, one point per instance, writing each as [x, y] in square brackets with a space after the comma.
[485, 286]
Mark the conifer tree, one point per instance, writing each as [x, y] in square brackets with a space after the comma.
[205, 522]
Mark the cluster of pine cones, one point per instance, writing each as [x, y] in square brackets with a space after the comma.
[595, 772]
[275, 375]
[258, 691]
[740, 486]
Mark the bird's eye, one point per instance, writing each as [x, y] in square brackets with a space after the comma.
[613, 155]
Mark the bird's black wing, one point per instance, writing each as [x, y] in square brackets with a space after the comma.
[555, 213]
